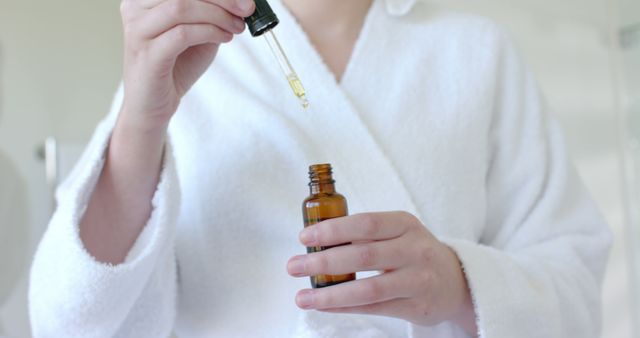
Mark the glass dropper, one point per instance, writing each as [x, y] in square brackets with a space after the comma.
[287, 69]
[262, 22]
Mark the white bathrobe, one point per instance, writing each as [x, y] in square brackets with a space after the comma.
[435, 115]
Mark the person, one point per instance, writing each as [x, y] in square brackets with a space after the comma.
[185, 208]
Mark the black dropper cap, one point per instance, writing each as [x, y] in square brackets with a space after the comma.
[262, 20]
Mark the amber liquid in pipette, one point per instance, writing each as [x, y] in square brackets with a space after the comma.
[298, 90]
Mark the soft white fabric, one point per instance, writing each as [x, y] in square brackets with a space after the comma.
[435, 115]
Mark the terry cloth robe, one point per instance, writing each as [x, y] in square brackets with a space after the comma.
[435, 115]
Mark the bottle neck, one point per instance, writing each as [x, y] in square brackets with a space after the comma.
[322, 188]
[321, 180]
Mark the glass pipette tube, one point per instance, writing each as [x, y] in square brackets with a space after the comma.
[285, 65]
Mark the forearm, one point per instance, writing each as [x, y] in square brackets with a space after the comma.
[120, 205]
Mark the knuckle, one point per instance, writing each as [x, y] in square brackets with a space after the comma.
[328, 233]
[212, 30]
[178, 8]
[426, 253]
[127, 12]
[129, 29]
[181, 32]
[324, 299]
[372, 291]
[367, 219]
[371, 225]
[367, 256]
[424, 280]
[318, 263]
[409, 218]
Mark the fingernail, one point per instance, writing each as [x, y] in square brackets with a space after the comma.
[238, 24]
[296, 266]
[308, 236]
[245, 5]
[304, 299]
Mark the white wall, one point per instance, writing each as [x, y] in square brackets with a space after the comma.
[629, 75]
[62, 63]
[60, 66]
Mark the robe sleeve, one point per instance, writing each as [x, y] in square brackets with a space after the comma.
[71, 294]
[538, 267]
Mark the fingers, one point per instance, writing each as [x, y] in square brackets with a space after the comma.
[383, 255]
[398, 307]
[359, 227]
[241, 8]
[172, 13]
[172, 26]
[175, 41]
[360, 292]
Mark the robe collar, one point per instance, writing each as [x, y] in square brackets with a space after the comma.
[334, 128]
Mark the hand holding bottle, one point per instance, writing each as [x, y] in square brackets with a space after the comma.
[422, 280]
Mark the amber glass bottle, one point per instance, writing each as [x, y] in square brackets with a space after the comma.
[322, 204]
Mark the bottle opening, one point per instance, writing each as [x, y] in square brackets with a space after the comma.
[321, 174]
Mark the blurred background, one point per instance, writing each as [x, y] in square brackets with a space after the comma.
[61, 63]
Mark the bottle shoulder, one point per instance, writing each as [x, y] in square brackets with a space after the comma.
[316, 208]
[323, 197]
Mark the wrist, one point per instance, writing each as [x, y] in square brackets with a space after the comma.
[465, 316]
[136, 144]
[131, 121]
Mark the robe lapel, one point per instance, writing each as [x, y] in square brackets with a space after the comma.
[363, 172]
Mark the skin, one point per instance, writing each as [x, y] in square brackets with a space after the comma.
[168, 45]
[421, 280]
[333, 27]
